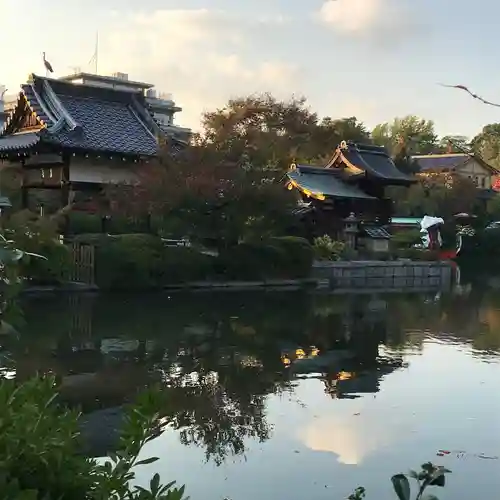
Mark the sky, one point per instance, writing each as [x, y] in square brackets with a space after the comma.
[373, 59]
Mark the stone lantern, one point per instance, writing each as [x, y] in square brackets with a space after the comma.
[351, 229]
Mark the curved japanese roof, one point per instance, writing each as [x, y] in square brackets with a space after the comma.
[368, 160]
[319, 183]
[82, 117]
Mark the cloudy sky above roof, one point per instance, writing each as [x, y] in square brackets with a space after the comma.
[374, 59]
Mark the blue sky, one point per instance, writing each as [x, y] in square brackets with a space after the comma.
[374, 59]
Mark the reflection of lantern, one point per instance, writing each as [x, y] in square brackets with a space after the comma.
[345, 375]
[300, 353]
[286, 361]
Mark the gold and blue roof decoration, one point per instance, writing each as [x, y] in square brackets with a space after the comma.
[320, 183]
[367, 160]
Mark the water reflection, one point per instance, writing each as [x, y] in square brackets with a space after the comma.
[220, 357]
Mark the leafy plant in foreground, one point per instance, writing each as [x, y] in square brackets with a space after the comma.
[430, 475]
[325, 248]
[40, 455]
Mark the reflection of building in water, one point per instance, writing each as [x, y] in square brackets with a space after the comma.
[346, 354]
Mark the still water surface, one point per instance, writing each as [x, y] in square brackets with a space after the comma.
[284, 395]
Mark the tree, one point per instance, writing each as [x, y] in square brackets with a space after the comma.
[228, 185]
[329, 133]
[454, 144]
[487, 144]
[205, 196]
[273, 133]
[416, 135]
[437, 195]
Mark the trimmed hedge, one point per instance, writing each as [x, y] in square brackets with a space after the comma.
[285, 257]
[81, 223]
[129, 261]
[142, 261]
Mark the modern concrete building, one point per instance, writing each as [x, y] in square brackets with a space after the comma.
[2, 106]
[7, 104]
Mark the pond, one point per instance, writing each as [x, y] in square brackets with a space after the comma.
[283, 395]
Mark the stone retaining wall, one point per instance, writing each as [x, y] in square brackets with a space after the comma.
[405, 275]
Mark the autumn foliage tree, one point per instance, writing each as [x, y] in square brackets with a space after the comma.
[274, 133]
[203, 195]
[229, 184]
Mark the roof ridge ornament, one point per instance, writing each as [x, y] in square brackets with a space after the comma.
[343, 145]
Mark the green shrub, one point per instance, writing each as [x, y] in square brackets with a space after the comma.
[417, 254]
[81, 222]
[41, 456]
[180, 264]
[142, 261]
[406, 238]
[131, 261]
[285, 258]
[250, 261]
[125, 225]
[96, 239]
[298, 254]
[325, 248]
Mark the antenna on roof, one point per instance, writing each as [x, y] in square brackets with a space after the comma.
[48, 66]
[95, 58]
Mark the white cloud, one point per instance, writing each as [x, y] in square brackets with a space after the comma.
[352, 15]
[203, 57]
[382, 21]
[350, 438]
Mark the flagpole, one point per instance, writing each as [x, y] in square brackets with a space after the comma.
[96, 51]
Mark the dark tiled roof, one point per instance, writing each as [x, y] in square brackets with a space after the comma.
[17, 142]
[375, 161]
[105, 126]
[440, 162]
[376, 232]
[81, 117]
[175, 146]
[322, 181]
[302, 210]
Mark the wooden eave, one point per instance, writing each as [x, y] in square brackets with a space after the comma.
[17, 118]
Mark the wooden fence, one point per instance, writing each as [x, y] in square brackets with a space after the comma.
[83, 263]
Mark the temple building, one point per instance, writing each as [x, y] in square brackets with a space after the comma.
[465, 165]
[71, 138]
[350, 189]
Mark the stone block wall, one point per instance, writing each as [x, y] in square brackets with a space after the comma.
[396, 275]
